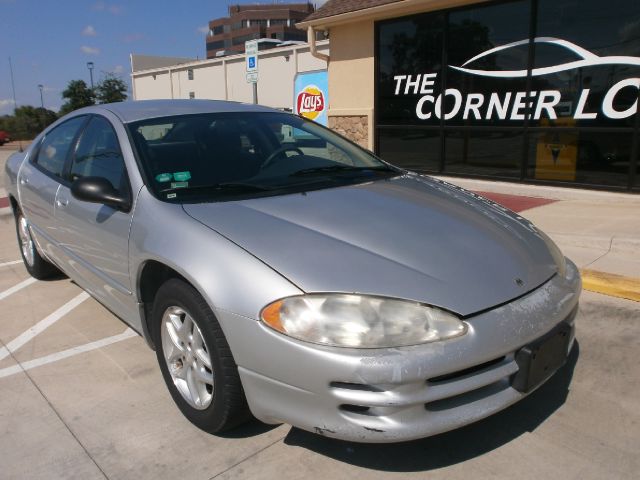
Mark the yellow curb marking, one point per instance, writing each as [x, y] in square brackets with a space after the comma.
[611, 284]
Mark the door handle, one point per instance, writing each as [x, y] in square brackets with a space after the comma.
[63, 202]
[24, 180]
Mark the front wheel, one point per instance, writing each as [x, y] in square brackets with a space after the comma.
[35, 264]
[195, 359]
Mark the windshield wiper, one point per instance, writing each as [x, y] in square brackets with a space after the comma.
[222, 187]
[339, 169]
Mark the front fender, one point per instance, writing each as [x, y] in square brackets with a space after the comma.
[228, 277]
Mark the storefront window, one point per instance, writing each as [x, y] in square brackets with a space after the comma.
[588, 52]
[585, 157]
[540, 90]
[474, 60]
[407, 50]
[411, 148]
[484, 153]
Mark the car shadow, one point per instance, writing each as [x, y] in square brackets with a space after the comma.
[250, 429]
[451, 447]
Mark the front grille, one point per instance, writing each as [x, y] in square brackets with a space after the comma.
[468, 397]
[467, 371]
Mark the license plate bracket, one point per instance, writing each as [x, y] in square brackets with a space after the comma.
[540, 359]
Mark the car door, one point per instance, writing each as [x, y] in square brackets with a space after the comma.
[95, 237]
[39, 179]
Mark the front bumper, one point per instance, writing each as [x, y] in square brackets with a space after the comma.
[392, 395]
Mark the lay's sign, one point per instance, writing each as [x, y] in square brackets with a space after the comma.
[310, 103]
[310, 100]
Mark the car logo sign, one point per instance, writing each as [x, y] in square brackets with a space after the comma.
[583, 58]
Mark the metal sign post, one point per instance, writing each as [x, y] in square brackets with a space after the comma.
[251, 61]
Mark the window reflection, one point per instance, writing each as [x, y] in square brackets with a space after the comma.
[484, 153]
[570, 88]
[413, 149]
[586, 157]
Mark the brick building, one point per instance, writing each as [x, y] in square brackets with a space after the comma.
[250, 22]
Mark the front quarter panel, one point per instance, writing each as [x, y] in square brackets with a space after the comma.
[227, 276]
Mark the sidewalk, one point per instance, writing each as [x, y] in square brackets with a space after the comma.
[599, 231]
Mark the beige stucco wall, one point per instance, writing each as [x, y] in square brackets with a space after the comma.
[351, 66]
[351, 77]
[225, 79]
[153, 86]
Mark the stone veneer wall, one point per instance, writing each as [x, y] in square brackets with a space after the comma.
[355, 128]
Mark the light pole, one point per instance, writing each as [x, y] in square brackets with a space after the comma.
[40, 86]
[90, 67]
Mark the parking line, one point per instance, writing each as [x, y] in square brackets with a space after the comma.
[16, 288]
[42, 325]
[6, 264]
[55, 357]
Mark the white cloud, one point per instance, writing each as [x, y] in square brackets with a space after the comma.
[89, 31]
[90, 50]
[6, 105]
[118, 69]
[204, 29]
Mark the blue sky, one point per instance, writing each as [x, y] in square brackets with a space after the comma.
[50, 42]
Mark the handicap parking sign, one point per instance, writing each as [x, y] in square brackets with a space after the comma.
[252, 63]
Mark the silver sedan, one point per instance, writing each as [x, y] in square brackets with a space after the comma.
[280, 271]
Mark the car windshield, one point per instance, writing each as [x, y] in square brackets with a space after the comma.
[227, 156]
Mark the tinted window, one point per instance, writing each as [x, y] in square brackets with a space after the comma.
[612, 31]
[598, 158]
[212, 156]
[55, 146]
[522, 89]
[98, 154]
[475, 33]
[408, 49]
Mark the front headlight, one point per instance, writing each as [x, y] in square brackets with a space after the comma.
[360, 321]
[555, 252]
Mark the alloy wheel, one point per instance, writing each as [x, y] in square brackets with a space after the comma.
[187, 356]
[26, 242]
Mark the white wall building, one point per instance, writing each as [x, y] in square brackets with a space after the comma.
[225, 78]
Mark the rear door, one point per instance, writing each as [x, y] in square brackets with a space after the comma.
[95, 238]
[39, 179]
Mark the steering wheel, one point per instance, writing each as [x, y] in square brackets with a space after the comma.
[270, 159]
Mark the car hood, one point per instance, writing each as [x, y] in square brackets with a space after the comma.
[409, 237]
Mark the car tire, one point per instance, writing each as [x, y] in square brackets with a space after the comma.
[35, 264]
[186, 334]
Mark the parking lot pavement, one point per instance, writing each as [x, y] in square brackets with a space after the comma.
[82, 397]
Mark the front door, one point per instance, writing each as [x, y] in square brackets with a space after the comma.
[95, 238]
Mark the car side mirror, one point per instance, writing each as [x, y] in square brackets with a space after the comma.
[99, 190]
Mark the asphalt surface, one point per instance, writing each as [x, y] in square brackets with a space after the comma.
[82, 397]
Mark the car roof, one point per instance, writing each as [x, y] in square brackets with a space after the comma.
[135, 110]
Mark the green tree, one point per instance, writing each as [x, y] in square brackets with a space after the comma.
[78, 95]
[27, 122]
[111, 89]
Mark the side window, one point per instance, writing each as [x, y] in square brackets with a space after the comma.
[55, 146]
[98, 154]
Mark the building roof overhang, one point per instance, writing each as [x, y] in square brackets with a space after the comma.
[379, 12]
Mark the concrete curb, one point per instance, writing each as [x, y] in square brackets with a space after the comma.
[626, 245]
[610, 284]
